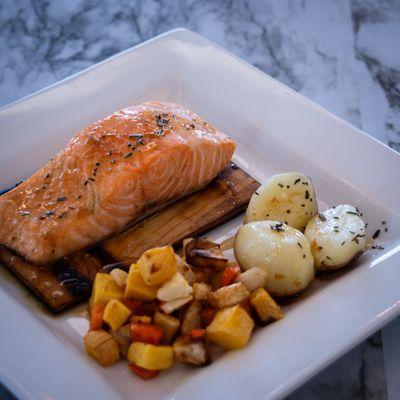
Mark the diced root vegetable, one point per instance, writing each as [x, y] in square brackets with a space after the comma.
[116, 313]
[173, 305]
[253, 278]
[157, 265]
[194, 353]
[102, 346]
[191, 317]
[229, 275]
[201, 291]
[104, 289]
[123, 338]
[145, 333]
[96, 317]
[143, 372]
[168, 324]
[150, 357]
[265, 305]
[228, 296]
[174, 288]
[231, 328]
[136, 288]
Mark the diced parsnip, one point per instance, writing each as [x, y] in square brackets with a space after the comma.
[143, 319]
[123, 337]
[231, 328]
[105, 289]
[170, 306]
[253, 278]
[168, 324]
[150, 357]
[228, 296]
[116, 313]
[191, 318]
[201, 291]
[120, 277]
[194, 353]
[174, 288]
[157, 265]
[136, 288]
[265, 305]
[102, 346]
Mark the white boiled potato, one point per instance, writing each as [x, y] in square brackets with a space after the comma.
[336, 236]
[281, 250]
[287, 197]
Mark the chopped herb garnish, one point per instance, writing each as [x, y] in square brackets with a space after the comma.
[307, 195]
[296, 181]
[62, 215]
[299, 244]
[112, 161]
[303, 205]
[109, 152]
[304, 256]
[280, 185]
[192, 126]
[61, 198]
[386, 229]
[25, 213]
[321, 217]
[288, 186]
[140, 141]
[278, 227]
[383, 222]
[97, 164]
[256, 193]
[378, 247]
[161, 121]
[352, 213]
[376, 234]
[86, 182]
[128, 155]
[47, 175]
[49, 214]
[352, 232]
[328, 258]
[136, 135]
[288, 211]
[336, 230]
[343, 243]
[91, 179]
[335, 217]
[355, 238]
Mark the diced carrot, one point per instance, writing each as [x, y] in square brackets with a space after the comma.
[96, 317]
[207, 315]
[142, 372]
[137, 307]
[146, 333]
[197, 334]
[229, 275]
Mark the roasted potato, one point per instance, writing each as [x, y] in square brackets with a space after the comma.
[136, 288]
[265, 306]
[168, 324]
[102, 346]
[191, 317]
[253, 278]
[228, 296]
[337, 236]
[194, 353]
[204, 254]
[157, 265]
[105, 289]
[150, 357]
[174, 288]
[116, 313]
[287, 197]
[231, 328]
[281, 250]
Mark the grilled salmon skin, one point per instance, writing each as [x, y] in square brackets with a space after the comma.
[107, 176]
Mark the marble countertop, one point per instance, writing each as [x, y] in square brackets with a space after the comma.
[343, 54]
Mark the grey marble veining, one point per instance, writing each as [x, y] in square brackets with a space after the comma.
[343, 54]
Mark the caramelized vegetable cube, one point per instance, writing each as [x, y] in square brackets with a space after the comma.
[265, 305]
[231, 328]
[101, 346]
[104, 289]
[173, 305]
[194, 353]
[136, 288]
[228, 296]
[157, 265]
[150, 357]
[116, 313]
[191, 318]
[123, 337]
[168, 324]
[201, 291]
[174, 288]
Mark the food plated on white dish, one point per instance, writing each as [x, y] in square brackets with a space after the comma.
[331, 315]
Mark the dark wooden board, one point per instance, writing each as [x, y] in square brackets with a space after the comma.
[68, 282]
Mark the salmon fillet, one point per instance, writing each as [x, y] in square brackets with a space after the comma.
[108, 175]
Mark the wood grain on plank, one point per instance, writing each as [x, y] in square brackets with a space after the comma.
[68, 281]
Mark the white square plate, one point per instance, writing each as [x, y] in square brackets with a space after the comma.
[42, 357]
